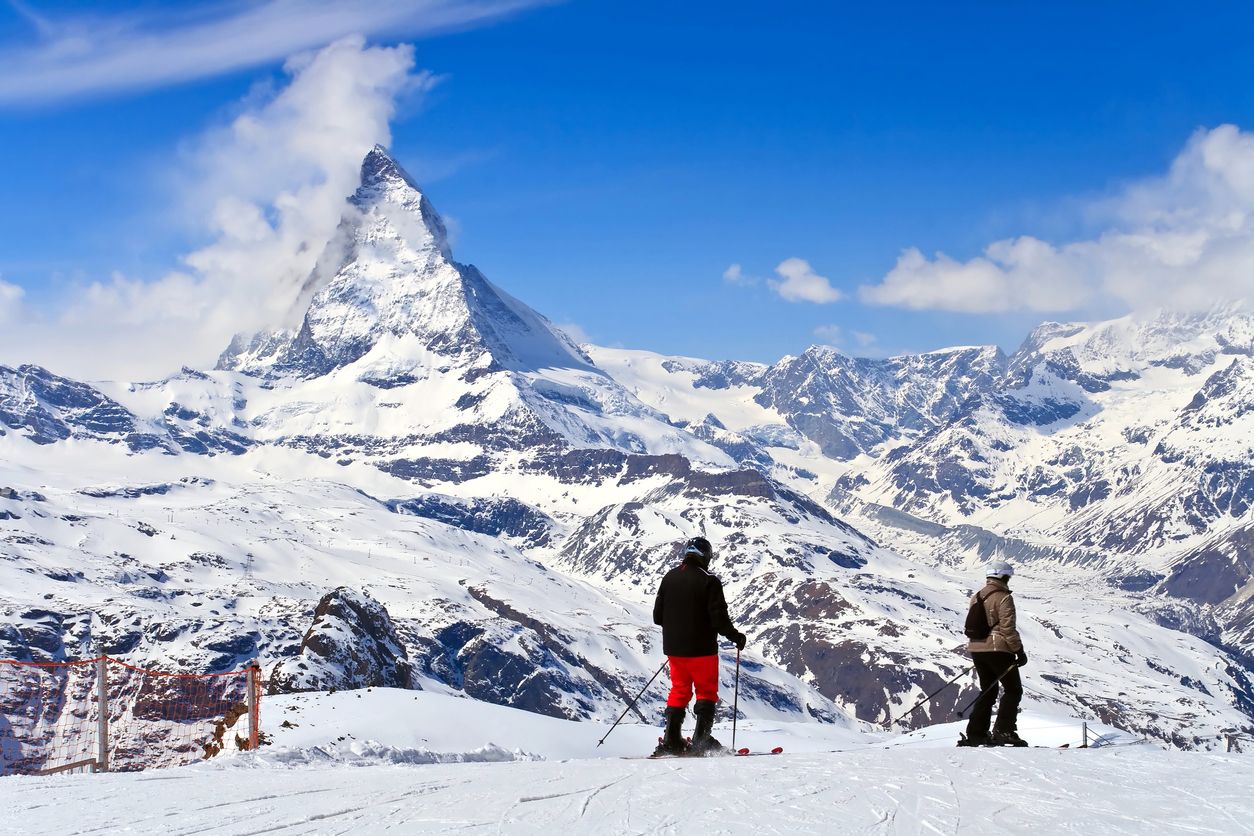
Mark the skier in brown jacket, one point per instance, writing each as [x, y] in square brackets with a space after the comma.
[1000, 654]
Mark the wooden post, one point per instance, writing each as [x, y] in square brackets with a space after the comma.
[1084, 728]
[254, 715]
[1227, 743]
[102, 709]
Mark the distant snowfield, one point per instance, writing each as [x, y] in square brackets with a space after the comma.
[406, 762]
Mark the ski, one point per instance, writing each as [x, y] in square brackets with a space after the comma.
[962, 741]
[744, 753]
[986, 743]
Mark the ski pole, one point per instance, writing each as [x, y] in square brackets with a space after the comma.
[736, 699]
[921, 702]
[980, 696]
[633, 702]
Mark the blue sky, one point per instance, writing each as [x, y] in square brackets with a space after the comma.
[607, 162]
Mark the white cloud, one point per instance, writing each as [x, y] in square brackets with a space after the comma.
[835, 336]
[269, 188]
[831, 335]
[93, 54]
[10, 302]
[272, 184]
[736, 276]
[1184, 240]
[801, 284]
[575, 331]
[863, 339]
[1021, 273]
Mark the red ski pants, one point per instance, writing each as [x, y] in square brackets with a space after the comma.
[690, 671]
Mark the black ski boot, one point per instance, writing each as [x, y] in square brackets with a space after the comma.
[672, 742]
[1006, 737]
[702, 742]
[974, 739]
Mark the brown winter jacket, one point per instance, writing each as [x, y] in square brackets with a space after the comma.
[999, 608]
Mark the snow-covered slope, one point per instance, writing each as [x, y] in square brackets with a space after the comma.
[419, 763]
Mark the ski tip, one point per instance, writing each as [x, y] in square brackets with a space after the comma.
[778, 750]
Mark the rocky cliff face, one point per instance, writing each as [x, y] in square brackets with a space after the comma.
[352, 643]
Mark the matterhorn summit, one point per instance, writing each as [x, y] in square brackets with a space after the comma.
[387, 284]
[387, 307]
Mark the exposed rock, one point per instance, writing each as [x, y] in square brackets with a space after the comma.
[351, 644]
[498, 516]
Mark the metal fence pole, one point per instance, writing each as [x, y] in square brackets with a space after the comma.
[254, 714]
[102, 709]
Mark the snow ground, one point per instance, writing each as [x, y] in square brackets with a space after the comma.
[1132, 790]
[417, 762]
[423, 727]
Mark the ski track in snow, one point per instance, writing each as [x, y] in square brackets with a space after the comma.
[877, 791]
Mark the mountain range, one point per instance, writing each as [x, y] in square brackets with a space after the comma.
[420, 482]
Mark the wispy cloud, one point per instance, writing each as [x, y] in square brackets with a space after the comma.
[100, 53]
[836, 337]
[863, 339]
[575, 331]
[1184, 240]
[832, 335]
[10, 302]
[799, 283]
[268, 190]
[735, 275]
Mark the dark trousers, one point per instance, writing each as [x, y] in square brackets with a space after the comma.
[990, 666]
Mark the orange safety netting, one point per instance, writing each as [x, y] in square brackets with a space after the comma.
[50, 716]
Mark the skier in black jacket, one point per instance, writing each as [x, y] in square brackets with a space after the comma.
[692, 612]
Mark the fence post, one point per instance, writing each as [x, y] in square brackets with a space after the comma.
[1227, 743]
[1084, 727]
[254, 705]
[102, 709]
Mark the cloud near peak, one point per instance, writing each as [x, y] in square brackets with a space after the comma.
[268, 190]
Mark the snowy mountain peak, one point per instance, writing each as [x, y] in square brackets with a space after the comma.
[384, 181]
[379, 166]
[387, 281]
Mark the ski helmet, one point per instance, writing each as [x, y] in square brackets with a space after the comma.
[700, 548]
[998, 569]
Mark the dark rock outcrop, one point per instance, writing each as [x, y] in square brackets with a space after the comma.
[351, 644]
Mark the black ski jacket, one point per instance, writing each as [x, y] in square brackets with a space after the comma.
[692, 611]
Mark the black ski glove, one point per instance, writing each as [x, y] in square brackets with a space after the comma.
[740, 641]
[1021, 658]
